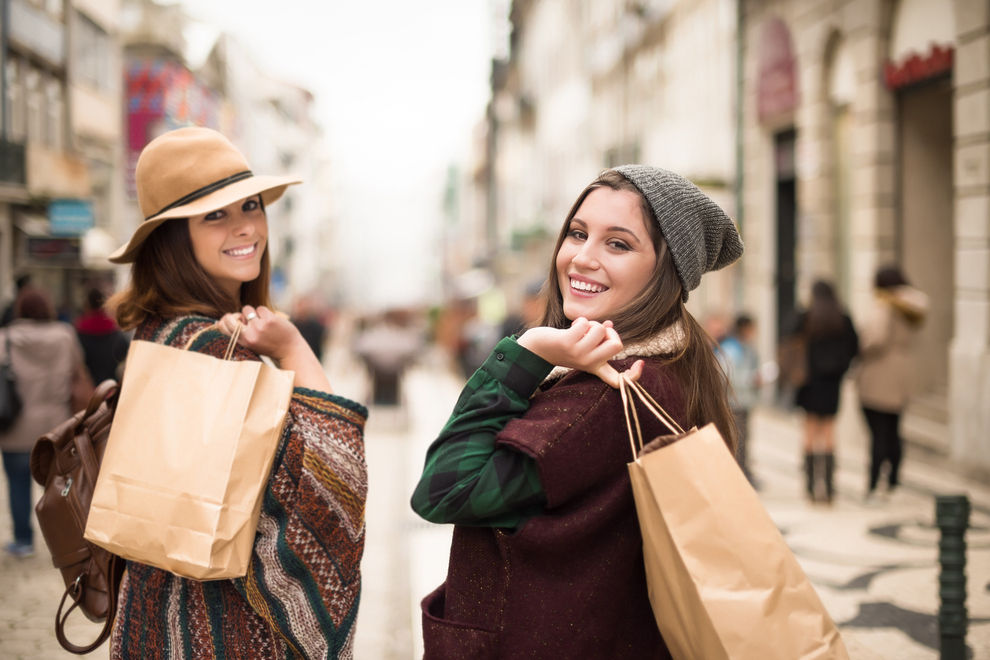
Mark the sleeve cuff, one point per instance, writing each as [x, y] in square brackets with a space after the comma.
[516, 367]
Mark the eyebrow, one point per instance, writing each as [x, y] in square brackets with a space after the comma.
[612, 228]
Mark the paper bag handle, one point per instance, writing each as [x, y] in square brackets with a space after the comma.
[628, 386]
[229, 353]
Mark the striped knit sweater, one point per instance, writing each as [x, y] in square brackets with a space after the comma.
[300, 596]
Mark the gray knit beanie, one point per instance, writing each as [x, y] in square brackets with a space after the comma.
[701, 237]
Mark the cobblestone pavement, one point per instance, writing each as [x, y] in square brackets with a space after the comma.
[875, 567]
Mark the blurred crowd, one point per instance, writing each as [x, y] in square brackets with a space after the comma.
[56, 360]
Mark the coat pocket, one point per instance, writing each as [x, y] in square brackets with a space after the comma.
[445, 639]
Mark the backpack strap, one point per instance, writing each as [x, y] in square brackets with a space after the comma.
[75, 590]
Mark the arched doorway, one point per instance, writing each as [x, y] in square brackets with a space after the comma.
[777, 99]
[919, 73]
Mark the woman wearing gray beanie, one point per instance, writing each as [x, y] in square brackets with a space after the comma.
[546, 559]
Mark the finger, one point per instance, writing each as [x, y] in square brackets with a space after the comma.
[634, 372]
[592, 338]
[264, 312]
[579, 327]
[608, 374]
[607, 324]
[227, 323]
[248, 314]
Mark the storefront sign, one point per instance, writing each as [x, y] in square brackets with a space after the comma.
[777, 86]
[70, 217]
[53, 250]
[915, 68]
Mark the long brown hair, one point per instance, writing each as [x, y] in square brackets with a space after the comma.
[657, 307]
[166, 281]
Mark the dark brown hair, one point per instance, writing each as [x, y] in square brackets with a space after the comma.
[166, 281]
[657, 307]
[34, 304]
[825, 315]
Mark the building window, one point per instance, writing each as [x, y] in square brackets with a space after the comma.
[91, 54]
[54, 114]
[35, 102]
[15, 120]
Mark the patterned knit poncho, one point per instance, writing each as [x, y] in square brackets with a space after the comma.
[299, 598]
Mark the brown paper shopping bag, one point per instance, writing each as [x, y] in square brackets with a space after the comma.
[187, 460]
[722, 581]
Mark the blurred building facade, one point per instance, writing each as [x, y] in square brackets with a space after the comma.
[271, 120]
[268, 119]
[587, 85]
[866, 141]
[60, 97]
[841, 135]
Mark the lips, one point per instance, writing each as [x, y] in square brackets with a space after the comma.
[242, 251]
[586, 287]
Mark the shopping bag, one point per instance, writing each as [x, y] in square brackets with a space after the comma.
[187, 460]
[721, 579]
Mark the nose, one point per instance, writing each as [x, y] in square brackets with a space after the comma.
[241, 223]
[585, 257]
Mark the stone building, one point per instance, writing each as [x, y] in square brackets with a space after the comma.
[59, 196]
[587, 85]
[866, 141]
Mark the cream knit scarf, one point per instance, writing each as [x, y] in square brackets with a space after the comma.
[667, 341]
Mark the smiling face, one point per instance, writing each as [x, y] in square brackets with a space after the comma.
[607, 256]
[228, 243]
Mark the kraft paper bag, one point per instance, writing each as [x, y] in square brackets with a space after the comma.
[722, 581]
[187, 460]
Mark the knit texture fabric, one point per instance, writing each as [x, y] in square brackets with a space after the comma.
[701, 237]
[300, 596]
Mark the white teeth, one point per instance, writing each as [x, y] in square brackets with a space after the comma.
[585, 286]
[240, 252]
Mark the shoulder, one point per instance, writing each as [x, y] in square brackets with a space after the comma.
[199, 333]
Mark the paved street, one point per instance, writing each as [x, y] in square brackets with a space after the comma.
[875, 567]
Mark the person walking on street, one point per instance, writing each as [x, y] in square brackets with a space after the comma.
[104, 344]
[885, 370]
[546, 559]
[46, 359]
[742, 365]
[199, 270]
[831, 345]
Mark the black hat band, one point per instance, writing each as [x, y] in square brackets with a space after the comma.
[204, 191]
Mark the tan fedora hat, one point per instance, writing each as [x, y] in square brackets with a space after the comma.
[191, 171]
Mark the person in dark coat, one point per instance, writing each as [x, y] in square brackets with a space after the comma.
[104, 343]
[832, 344]
[547, 557]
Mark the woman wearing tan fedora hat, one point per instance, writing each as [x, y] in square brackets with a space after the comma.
[200, 266]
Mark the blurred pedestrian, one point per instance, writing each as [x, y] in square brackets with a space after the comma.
[309, 318]
[8, 311]
[529, 313]
[737, 352]
[546, 558]
[885, 371]
[201, 270]
[388, 346]
[104, 343]
[46, 359]
[831, 345]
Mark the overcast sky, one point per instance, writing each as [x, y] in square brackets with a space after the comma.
[399, 87]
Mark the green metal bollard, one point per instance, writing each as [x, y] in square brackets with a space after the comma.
[952, 519]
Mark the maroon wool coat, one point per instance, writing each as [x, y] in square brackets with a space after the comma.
[569, 583]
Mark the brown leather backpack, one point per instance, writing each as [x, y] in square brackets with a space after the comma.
[66, 461]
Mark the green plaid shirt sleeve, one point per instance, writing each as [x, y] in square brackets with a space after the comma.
[466, 479]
